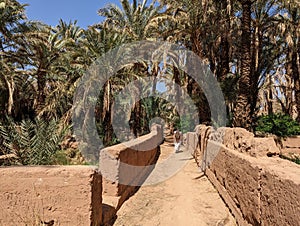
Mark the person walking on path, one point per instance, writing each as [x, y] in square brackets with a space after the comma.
[177, 140]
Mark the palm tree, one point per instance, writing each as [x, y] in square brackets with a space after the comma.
[54, 65]
[66, 39]
[242, 111]
[12, 14]
[98, 41]
[290, 29]
[280, 55]
[265, 50]
[137, 20]
[204, 28]
[31, 142]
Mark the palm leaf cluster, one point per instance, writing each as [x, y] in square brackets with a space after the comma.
[251, 47]
[31, 142]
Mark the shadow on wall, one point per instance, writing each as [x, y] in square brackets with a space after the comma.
[125, 167]
[259, 190]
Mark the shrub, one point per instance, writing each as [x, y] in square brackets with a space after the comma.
[187, 123]
[295, 160]
[278, 124]
[32, 142]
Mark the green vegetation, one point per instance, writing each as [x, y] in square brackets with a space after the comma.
[278, 124]
[32, 142]
[185, 123]
[251, 47]
[295, 160]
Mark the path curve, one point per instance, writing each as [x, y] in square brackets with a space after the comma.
[186, 199]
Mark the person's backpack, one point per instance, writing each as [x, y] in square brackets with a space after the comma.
[177, 135]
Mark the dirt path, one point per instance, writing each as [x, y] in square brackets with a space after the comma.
[186, 199]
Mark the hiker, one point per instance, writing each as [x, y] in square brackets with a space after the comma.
[177, 140]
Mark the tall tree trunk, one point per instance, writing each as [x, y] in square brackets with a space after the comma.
[137, 125]
[107, 114]
[176, 77]
[138, 113]
[290, 85]
[154, 73]
[41, 83]
[224, 61]
[295, 57]
[136, 118]
[11, 88]
[270, 95]
[223, 65]
[193, 89]
[296, 77]
[255, 67]
[242, 111]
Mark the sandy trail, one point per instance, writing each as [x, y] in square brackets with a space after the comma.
[185, 199]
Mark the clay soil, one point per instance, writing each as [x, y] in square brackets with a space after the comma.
[187, 198]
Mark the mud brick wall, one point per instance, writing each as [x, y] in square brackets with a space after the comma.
[259, 190]
[118, 164]
[63, 195]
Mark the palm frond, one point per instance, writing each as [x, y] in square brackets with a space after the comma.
[32, 142]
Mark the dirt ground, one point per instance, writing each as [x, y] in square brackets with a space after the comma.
[185, 199]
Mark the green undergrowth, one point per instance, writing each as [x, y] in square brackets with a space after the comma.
[295, 160]
[278, 124]
[36, 142]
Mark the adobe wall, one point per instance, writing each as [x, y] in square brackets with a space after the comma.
[125, 166]
[258, 189]
[72, 195]
[290, 147]
[67, 195]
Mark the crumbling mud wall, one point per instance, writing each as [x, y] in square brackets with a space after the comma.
[124, 168]
[72, 195]
[50, 195]
[259, 190]
[290, 147]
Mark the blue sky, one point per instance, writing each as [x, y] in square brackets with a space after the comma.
[50, 11]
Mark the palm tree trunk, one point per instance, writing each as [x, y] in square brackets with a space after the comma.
[176, 78]
[242, 111]
[255, 70]
[107, 114]
[296, 76]
[11, 88]
[154, 73]
[223, 68]
[41, 83]
[290, 85]
[270, 96]
[224, 64]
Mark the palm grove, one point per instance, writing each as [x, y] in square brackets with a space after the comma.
[251, 47]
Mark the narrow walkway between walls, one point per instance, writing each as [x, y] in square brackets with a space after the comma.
[185, 199]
